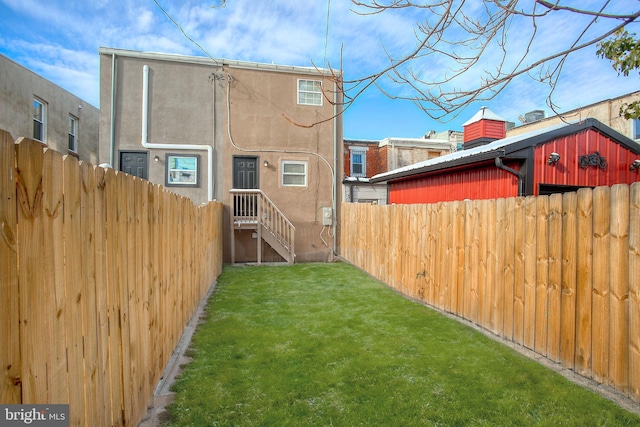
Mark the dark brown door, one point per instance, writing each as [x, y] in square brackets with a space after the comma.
[135, 163]
[245, 173]
[245, 177]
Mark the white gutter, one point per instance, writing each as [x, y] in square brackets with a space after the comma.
[190, 147]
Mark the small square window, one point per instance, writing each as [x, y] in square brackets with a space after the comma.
[310, 92]
[73, 134]
[39, 120]
[181, 170]
[294, 174]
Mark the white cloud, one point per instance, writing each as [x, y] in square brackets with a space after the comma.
[64, 47]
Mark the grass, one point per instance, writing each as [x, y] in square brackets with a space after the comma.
[325, 344]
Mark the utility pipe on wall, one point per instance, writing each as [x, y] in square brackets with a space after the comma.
[518, 174]
[112, 131]
[190, 147]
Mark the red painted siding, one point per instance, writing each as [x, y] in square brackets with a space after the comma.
[568, 172]
[484, 129]
[485, 182]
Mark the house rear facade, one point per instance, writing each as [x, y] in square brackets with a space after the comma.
[261, 138]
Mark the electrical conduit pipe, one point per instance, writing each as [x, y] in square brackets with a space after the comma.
[190, 147]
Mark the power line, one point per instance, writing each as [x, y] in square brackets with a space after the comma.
[326, 35]
[184, 33]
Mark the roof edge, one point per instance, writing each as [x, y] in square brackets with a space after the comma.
[520, 142]
[214, 61]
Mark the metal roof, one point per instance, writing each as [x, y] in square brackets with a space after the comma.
[503, 147]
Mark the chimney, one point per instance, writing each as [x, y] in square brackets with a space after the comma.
[484, 127]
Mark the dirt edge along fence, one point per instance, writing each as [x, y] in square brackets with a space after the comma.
[100, 272]
[557, 274]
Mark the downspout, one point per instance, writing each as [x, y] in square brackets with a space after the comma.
[518, 174]
[191, 147]
[112, 137]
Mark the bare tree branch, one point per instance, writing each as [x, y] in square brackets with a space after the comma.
[455, 34]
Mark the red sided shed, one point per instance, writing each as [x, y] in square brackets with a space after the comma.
[552, 160]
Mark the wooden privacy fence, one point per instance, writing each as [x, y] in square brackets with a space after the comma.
[557, 274]
[100, 273]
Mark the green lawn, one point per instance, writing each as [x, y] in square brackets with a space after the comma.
[325, 344]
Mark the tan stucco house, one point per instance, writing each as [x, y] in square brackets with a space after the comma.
[263, 139]
[34, 107]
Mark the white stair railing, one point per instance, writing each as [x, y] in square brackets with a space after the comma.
[253, 207]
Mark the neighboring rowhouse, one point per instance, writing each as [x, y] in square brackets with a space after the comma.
[366, 158]
[556, 159]
[606, 112]
[261, 138]
[34, 107]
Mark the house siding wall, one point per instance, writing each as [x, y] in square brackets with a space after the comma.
[485, 182]
[607, 112]
[568, 172]
[188, 105]
[19, 86]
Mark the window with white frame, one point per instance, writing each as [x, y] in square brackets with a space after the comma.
[182, 170]
[358, 163]
[309, 92]
[73, 134]
[294, 173]
[39, 120]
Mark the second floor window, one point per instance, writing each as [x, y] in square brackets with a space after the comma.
[358, 163]
[73, 134]
[39, 120]
[309, 92]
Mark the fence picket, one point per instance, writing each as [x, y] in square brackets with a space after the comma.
[10, 386]
[530, 263]
[600, 301]
[619, 288]
[554, 296]
[519, 271]
[509, 268]
[634, 292]
[542, 275]
[35, 302]
[584, 283]
[568, 284]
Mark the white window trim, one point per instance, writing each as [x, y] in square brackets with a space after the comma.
[298, 91]
[294, 162]
[75, 135]
[364, 162]
[44, 119]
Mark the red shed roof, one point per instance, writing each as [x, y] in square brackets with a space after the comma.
[504, 147]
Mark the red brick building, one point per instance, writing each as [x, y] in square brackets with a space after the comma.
[366, 158]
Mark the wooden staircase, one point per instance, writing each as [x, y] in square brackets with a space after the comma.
[253, 210]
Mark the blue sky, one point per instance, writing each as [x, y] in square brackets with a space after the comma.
[59, 40]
